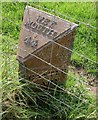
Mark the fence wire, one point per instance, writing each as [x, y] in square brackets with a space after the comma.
[59, 104]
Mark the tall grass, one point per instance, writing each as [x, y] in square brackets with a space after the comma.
[20, 101]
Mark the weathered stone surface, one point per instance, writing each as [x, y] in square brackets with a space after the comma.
[39, 30]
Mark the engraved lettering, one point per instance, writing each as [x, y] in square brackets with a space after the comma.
[43, 26]
[52, 24]
[45, 31]
[40, 27]
[27, 25]
[30, 42]
[40, 19]
[50, 32]
[34, 43]
[46, 22]
[34, 25]
[27, 40]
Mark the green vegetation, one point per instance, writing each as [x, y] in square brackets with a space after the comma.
[20, 101]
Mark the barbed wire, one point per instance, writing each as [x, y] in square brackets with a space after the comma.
[48, 63]
[32, 54]
[69, 50]
[62, 47]
[61, 88]
[60, 44]
[58, 13]
[65, 90]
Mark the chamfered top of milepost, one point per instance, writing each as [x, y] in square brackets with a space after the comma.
[39, 29]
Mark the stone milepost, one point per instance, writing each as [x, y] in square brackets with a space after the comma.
[38, 31]
[43, 26]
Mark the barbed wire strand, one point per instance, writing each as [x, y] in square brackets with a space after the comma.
[75, 52]
[58, 13]
[56, 67]
[49, 63]
[61, 88]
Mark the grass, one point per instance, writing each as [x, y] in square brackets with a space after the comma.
[85, 42]
[19, 99]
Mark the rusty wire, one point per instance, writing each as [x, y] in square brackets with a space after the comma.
[81, 55]
[61, 88]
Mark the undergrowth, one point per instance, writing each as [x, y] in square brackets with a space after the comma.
[25, 100]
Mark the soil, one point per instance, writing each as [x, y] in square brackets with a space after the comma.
[91, 79]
